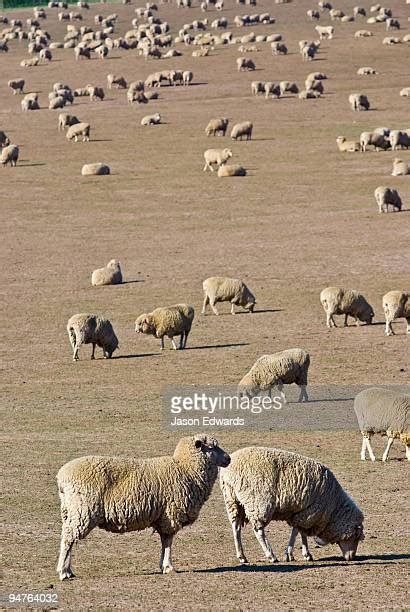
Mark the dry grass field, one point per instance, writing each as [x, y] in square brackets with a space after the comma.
[304, 218]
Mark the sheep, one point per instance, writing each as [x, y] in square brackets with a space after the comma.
[91, 329]
[325, 32]
[399, 138]
[30, 102]
[336, 14]
[359, 10]
[378, 141]
[287, 86]
[110, 275]
[17, 86]
[223, 289]
[265, 484]
[116, 81]
[79, 129]
[400, 168]
[121, 494]
[275, 371]
[348, 302]
[366, 71]
[391, 40]
[95, 93]
[308, 94]
[55, 103]
[384, 412]
[257, 87]
[65, 120]
[363, 34]
[4, 139]
[240, 130]
[80, 52]
[245, 63]
[324, 6]
[9, 155]
[396, 305]
[359, 102]
[405, 92]
[228, 170]
[272, 89]
[386, 196]
[315, 85]
[308, 52]
[46, 55]
[151, 119]
[347, 145]
[216, 157]
[169, 321]
[217, 126]
[95, 169]
[312, 14]
[29, 63]
[279, 48]
[392, 24]
[187, 77]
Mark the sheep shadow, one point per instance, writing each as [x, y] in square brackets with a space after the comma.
[216, 346]
[130, 282]
[101, 140]
[326, 399]
[24, 163]
[264, 311]
[136, 356]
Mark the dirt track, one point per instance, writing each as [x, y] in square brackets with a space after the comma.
[304, 218]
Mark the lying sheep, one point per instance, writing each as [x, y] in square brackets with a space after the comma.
[347, 145]
[308, 94]
[77, 130]
[96, 169]
[399, 138]
[17, 86]
[366, 71]
[405, 92]
[121, 494]
[385, 412]
[168, 321]
[9, 155]
[265, 484]
[65, 120]
[245, 63]
[29, 63]
[241, 130]
[276, 370]
[110, 275]
[348, 302]
[91, 329]
[385, 197]
[396, 305]
[151, 119]
[217, 126]
[391, 40]
[223, 289]
[378, 141]
[216, 157]
[229, 170]
[400, 168]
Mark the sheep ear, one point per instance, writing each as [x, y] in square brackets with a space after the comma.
[198, 443]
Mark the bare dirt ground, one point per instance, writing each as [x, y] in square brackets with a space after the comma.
[304, 218]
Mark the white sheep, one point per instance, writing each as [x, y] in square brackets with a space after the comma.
[378, 141]
[385, 197]
[95, 169]
[399, 138]
[400, 168]
[216, 157]
[405, 92]
[265, 484]
[121, 494]
[91, 329]
[77, 130]
[385, 412]
[16, 85]
[359, 102]
[229, 170]
[223, 289]
[396, 305]
[57, 103]
[366, 71]
[151, 119]
[347, 145]
[169, 321]
[110, 275]
[65, 120]
[240, 130]
[325, 32]
[347, 302]
[274, 371]
[217, 126]
[30, 102]
[9, 155]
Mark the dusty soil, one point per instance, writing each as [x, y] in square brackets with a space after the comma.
[304, 218]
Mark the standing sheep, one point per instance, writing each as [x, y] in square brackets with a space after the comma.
[359, 102]
[187, 77]
[79, 129]
[378, 141]
[217, 126]
[274, 371]
[386, 196]
[216, 157]
[9, 155]
[267, 484]
[110, 275]
[223, 289]
[4, 139]
[56, 103]
[121, 494]
[17, 86]
[396, 305]
[168, 321]
[245, 63]
[348, 302]
[384, 412]
[399, 138]
[116, 81]
[240, 130]
[91, 329]
[65, 120]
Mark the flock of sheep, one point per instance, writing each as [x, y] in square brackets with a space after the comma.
[258, 484]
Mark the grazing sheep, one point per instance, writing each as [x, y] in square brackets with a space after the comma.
[30, 102]
[240, 130]
[79, 129]
[151, 119]
[359, 10]
[348, 302]
[359, 102]
[65, 120]
[265, 484]
[216, 157]
[386, 196]
[279, 48]
[168, 321]
[187, 77]
[46, 55]
[378, 141]
[272, 90]
[245, 63]
[308, 52]
[116, 81]
[96, 169]
[95, 93]
[228, 170]
[9, 155]
[110, 275]
[392, 24]
[217, 126]
[325, 32]
[336, 14]
[121, 494]
[91, 329]
[385, 412]
[17, 86]
[223, 289]
[273, 371]
[400, 168]
[324, 6]
[366, 71]
[399, 138]
[396, 305]
[257, 87]
[55, 103]
[80, 52]
[312, 14]
[315, 85]
[4, 139]
[288, 87]
[347, 145]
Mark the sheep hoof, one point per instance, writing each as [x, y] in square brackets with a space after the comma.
[243, 560]
[308, 557]
[66, 575]
[168, 569]
[272, 559]
[289, 557]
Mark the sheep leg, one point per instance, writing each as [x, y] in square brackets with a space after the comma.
[93, 351]
[266, 547]
[386, 452]
[181, 341]
[73, 341]
[408, 324]
[174, 346]
[64, 561]
[236, 530]
[207, 165]
[389, 328]
[363, 451]
[408, 452]
[166, 559]
[303, 397]
[214, 310]
[162, 343]
[185, 338]
[369, 448]
[279, 387]
[305, 548]
[291, 544]
[233, 308]
[345, 323]
[205, 304]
